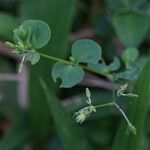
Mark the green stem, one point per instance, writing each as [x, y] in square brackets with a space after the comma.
[93, 71]
[70, 63]
[104, 105]
[117, 106]
[56, 59]
[122, 112]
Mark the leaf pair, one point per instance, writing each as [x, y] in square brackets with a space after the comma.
[83, 51]
[106, 69]
[33, 34]
[29, 36]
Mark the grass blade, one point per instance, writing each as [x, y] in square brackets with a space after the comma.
[67, 130]
[137, 112]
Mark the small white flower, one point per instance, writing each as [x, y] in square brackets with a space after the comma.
[80, 117]
[84, 113]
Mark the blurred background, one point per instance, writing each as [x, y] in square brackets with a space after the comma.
[27, 120]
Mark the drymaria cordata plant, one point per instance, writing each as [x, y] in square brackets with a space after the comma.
[86, 55]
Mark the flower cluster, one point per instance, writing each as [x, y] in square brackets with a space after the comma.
[85, 112]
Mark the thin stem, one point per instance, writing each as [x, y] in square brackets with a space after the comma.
[104, 105]
[93, 71]
[113, 91]
[56, 59]
[70, 63]
[122, 112]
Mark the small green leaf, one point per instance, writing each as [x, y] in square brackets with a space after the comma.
[86, 51]
[130, 55]
[33, 34]
[126, 75]
[33, 57]
[69, 74]
[115, 65]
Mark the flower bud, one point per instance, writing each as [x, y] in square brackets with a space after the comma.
[132, 128]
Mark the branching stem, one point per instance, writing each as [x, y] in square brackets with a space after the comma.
[113, 103]
[122, 112]
[117, 106]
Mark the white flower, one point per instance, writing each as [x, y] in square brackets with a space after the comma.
[84, 113]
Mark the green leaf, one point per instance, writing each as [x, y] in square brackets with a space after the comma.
[66, 127]
[69, 74]
[133, 70]
[104, 69]
[115, 65]
[130, 55]
[34, 34]
[86, 51]
[130, 75]
[137, 112]
[131, 27]
[33, 57]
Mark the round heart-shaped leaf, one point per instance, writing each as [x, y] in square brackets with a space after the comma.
[86, 51]
[69, 74]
